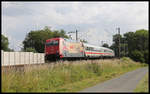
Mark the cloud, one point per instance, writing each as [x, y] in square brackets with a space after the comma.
[98, 19]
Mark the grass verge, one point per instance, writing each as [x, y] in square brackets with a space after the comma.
[65, 76]
[143, 85]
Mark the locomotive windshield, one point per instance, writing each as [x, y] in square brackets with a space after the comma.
[52, 43]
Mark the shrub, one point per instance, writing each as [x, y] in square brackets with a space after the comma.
[30, 50]
[125, 59]
[146, 56]
[137, 56]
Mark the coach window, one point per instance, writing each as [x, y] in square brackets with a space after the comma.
[105, 50]
[55, 42]
[86, 48]
[91, 48]
[49, 43]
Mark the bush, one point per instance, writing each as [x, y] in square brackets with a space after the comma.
[125, 59]
[30, 50]
[137, 56]
[146, 56]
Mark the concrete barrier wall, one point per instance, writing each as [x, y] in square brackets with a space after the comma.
[20, 58]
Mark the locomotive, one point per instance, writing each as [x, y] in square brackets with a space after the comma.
[59, 48]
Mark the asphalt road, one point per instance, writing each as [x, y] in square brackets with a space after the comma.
[125, 83]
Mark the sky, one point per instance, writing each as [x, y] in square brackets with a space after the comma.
[95, 21]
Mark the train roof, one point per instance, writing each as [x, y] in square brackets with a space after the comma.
[97, 47]
[54, 38]
[70, 40]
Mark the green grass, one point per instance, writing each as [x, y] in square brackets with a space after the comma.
[65, 76]
[143, 85]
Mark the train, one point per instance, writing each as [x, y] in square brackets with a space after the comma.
[61, 48]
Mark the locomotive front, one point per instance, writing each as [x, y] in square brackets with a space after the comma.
[52, 48]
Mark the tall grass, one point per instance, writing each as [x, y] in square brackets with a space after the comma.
[45, 78]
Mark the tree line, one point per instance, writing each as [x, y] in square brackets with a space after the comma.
[132, 44]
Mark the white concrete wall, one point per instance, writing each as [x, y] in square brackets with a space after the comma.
[19, 58]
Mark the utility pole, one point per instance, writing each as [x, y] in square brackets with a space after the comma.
[124, 47]
[119, 42]
[76, 35]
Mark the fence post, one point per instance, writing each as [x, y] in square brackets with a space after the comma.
[29, 57]
[41, 58]
[33, 58]
[2, 57]
[24, 57]
[37, 58]
[9, 58]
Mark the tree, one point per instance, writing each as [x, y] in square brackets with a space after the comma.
[5, 43]
[84, 41]
[63, 34]
[115, 44]
[105, 45]
[142, 39]
[37, 39]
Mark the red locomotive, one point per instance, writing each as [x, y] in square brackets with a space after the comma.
[66, 48]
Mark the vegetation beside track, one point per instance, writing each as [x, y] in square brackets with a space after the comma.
[65, 76]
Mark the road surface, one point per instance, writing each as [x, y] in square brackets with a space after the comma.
[125, 83]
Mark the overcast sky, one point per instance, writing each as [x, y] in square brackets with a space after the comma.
[95, 21]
